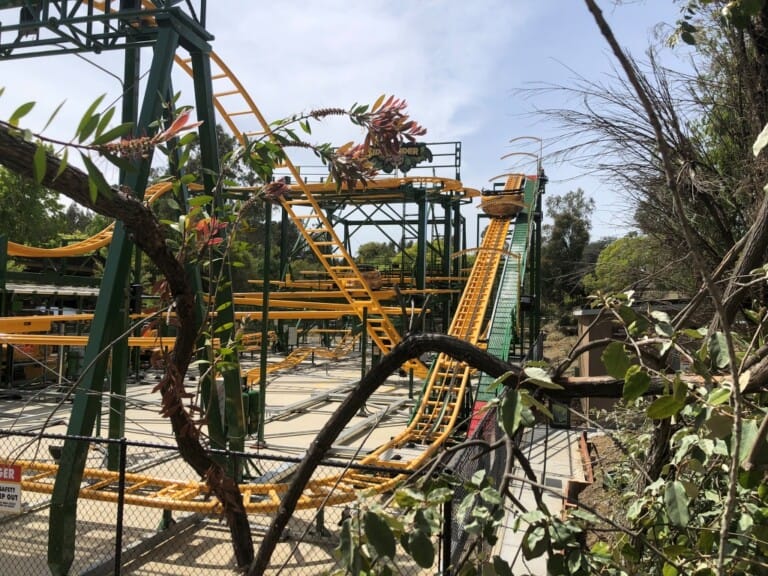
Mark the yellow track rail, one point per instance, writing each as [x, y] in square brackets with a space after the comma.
[298, 355]
[236, 107]
[148, 491]
[86, 246]
[441, 402]
[442, 399]
[431, 426]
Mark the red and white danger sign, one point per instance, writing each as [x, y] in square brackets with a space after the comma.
[10, 488]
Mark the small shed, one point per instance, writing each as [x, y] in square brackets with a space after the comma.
[590, 363]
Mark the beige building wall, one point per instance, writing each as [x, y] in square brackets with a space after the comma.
[590, 363]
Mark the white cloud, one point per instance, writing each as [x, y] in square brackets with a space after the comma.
[456, 63]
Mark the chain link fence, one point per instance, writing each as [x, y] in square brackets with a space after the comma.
[114, 538]
[463, 465]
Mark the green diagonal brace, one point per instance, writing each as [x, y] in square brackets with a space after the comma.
[87, 402]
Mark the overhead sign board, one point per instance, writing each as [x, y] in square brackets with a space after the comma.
[410, 155]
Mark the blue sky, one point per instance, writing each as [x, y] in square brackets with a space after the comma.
[461, 66]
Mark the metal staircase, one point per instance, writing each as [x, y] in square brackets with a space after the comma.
[238, 110]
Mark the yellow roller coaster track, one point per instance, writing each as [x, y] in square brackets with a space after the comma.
[431, 426]
[236, 106]
[88, 245]
[444, 393]
[441, 401]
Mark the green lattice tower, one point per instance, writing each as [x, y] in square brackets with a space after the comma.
[43, 28]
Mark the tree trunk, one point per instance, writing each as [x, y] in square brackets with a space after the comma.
[18, 156]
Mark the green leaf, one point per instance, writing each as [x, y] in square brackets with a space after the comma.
[379, 534]
[224, 327]
[421, 523]
[187, 139]
[123, 164]
[20, 112]
[201, 200]
[87, 118]
[511, 411]
[407, 498]
[679, 389]
[50, 119]
[705, 541]
[501, 567]
[113, 134]
[664, 329]
[491, 496]
[669, 570]
[89, 128]
[660, 316]
[718, 350]
[575, 562]
[404, 542]
[62, 163]
[627, 314]
[615, 360]
[636, 383]
[530, 402]
[422, 549]
[664, 407]
[688, 38]
[719, 425]
[694, 334]
[535, 541]
[96, 181]
[438, 496]
[106, 118]
[39, 164]
[601, 549]
[527, 418]
[676, 503]
[540, 378]
[719, 396]
[748, 438]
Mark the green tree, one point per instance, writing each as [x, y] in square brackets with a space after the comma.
[633, 263]
[565, 240]
[77, 220]
[29, 213]
[380, 253]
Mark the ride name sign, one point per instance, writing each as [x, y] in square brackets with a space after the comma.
[10, 489]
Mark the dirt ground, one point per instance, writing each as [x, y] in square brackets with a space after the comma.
[595, 497]
[603, 451]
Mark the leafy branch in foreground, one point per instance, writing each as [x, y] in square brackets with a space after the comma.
[386, 126]
[202, 230]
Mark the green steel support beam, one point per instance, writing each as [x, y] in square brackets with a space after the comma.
[457, 247]
[536, 264]
[3, 266]
[234, 426]
[265, 319]
[421, 244]
[364, 345]
[285, 224]
[447, 251]
[121, 353]
[104, 329]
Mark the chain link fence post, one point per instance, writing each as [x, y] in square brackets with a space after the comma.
[123, 446]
